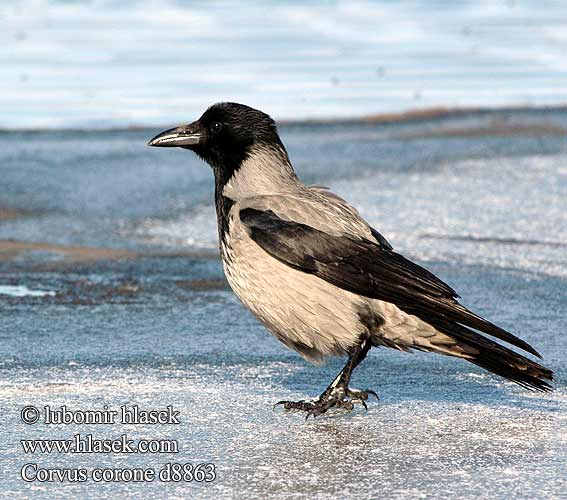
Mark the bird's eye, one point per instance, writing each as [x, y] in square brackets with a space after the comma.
[216, 126]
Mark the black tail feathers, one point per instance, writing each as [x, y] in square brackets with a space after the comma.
[499, 359]
[514, 367]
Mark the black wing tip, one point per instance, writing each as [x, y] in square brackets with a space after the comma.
[522, 344]
[506, 336]
[478, 323]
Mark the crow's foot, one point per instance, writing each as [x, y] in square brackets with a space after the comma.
[334, 397]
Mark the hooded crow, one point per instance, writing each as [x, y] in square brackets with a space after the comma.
[318, 276]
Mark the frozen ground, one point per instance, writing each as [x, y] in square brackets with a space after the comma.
[110, 62]
[154, 324]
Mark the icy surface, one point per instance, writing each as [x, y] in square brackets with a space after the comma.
[23, 291]
[110, 62]
[487, 214]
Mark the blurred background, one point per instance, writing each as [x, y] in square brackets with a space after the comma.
[115, 63]
[444, 123]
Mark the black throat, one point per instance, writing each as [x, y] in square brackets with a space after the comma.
[223, 203]
[224, 167]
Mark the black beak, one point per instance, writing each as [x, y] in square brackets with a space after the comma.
[185, 135]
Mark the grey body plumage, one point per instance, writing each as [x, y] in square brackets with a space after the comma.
[317, 275]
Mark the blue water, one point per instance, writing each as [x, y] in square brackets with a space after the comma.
[115, 63]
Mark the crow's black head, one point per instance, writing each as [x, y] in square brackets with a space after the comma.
[224, 136]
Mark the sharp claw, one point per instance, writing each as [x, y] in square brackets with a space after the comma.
[315, 407]
[277, 404]
[368, 391]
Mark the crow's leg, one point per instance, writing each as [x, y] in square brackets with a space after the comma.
[338, 394]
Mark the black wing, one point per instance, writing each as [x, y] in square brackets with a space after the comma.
[380, 239]
[368, 269]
